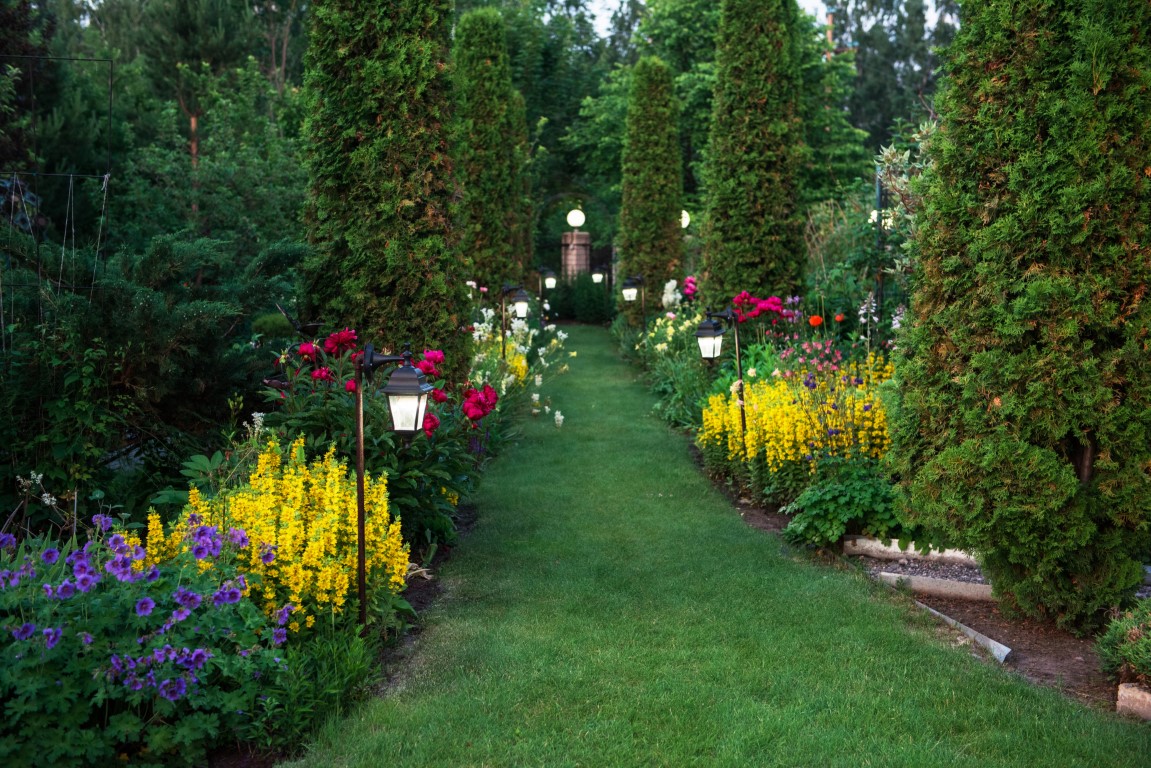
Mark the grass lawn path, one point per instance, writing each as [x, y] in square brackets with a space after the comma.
[611, 609]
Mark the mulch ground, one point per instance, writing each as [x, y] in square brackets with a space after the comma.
[1040, 651]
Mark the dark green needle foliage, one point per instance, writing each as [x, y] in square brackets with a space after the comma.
[1023, 430]
[754, 231]
[379, 86]
[650, 237]
[487, 150]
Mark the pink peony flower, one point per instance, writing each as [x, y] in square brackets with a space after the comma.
[340, 342]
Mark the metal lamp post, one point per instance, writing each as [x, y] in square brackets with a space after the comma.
[521, 300]
[709, 336]
[633, 287]
[407, 392]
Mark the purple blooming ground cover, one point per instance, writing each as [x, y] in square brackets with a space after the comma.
[162, 645]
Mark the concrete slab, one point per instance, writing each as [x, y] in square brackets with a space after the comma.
[890, 550]
[996, 648]
[1134, 700]
[940, 587]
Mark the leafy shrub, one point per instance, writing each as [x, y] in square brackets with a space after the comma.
[104, 657]
[1124, 648]
[845, 496]
[301, 518]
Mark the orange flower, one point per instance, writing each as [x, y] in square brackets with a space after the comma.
[839, 318]
[815, 321]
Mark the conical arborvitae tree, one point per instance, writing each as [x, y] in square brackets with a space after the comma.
[521, 234]
[650, 239]
[487, 156]
[378, 86]
[754, 233]
[1023, 426]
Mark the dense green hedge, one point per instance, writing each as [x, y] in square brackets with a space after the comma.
[486, 157]
[650, 238]
[378, 83]
[1024, 424]
[754, 231]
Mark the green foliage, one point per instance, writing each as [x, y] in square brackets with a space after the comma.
[581, 300]
[247, 185]
[322, 677]
[650, 240]
[846, 496]
[1124, 648]
[835, 157]
[103, 386]
[754, 233]
[1023, 426]
[897, 68]
[313, 396]
[489, 164]
[105, 664]
[381, 177]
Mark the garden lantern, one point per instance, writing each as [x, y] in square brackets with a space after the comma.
[630, 290]
[633, 287]
[520, 301]
[575, 218]
[684, 219]
[709, 335]
[407, 390]
[597, 276]
[549, 279]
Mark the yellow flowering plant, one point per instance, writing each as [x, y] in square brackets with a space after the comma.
[300, 518]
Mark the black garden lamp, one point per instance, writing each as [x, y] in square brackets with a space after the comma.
[631, 289]
[709, 335]
[407, 392]
[597, 275]
[549, 279]
[521, 300]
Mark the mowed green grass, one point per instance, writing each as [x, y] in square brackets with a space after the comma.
[611, 609]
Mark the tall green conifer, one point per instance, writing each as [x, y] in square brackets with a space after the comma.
[1023, 427]
[650, 240]
[378, 82]
[754, 231]
[487, 150]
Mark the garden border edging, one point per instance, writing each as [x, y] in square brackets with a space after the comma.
[890, 550]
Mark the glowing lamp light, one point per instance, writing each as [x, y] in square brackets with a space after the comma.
[684, 219]
[576, 218]
[709, 335]
[407, 390]
[520, 301]
[630, 290]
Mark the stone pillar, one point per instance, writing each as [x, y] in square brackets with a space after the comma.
[576, 254]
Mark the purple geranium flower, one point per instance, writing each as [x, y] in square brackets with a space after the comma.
[239, 537]
[85, 638]
[279, 635]
[85, 581]
[180, 614]
[50, 555]
[144, 606]
[283, 614]
[187, 599]
[65, 590]
[52, 636]
[24, 631]
[103, 522]
[226, 596]
[174, 689]
[267, 554]
[7, 541]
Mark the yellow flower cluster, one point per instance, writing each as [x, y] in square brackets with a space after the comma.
[300, 520]
[789, 420]
[518, 366]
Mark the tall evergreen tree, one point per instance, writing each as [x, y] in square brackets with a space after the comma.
[1023, 428]
[754, 232]
[650, 240]
[378, 82]
[486, 150]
